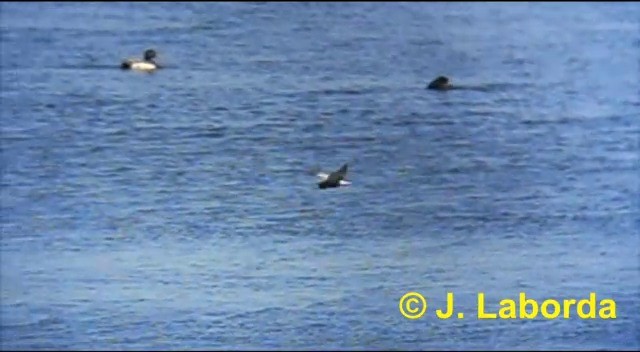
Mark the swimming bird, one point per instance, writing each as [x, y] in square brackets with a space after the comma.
[334, 179]
[146, 64]
[440, 83]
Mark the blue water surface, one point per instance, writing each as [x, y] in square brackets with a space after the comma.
[179, 210]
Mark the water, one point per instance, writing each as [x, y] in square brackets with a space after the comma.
[177, 210]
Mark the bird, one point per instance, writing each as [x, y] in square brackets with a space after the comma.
[440, 83]
[334, 179]
[147, 64]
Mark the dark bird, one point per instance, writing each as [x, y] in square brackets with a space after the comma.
[334, 179]
[440, 83]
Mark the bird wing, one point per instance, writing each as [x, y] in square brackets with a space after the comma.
[338, 175]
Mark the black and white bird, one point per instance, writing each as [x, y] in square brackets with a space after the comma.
[334, 179]
[147, 64]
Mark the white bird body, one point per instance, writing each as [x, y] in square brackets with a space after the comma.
[143, 66]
